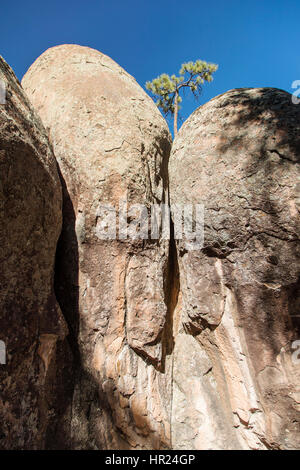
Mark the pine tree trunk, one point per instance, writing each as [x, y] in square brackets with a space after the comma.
[175, 112]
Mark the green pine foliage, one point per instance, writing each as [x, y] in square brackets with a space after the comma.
[166, 89]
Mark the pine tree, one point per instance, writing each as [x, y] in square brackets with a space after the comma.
[166, 90]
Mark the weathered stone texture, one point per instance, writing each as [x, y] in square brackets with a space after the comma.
[239, 387]
[32, 326]
[206, 364]
[111, 143]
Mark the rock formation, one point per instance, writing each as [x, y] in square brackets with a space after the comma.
[156, 343]
[112, 147]
[235, 384]
[35, 356]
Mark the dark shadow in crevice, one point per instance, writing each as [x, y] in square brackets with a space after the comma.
[171, 274]
[66, 283]
[171, 292]
[67, 294]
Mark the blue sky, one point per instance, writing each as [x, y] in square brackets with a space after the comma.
[255, 42]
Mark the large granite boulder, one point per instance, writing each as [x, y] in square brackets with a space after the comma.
[112, 147]
[34, 354]
[236, 372]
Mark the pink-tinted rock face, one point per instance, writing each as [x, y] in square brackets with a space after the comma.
[111, 144]
[32, 327]
[236, 379]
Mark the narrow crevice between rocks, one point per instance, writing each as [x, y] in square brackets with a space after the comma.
[171, 285]
[171, 289]
[66, 287]
[66, 283]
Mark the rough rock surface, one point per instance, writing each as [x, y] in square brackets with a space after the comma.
[32, 326]
[111, 144]
[235, 383]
